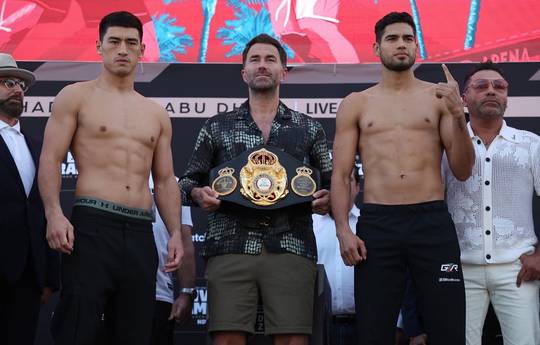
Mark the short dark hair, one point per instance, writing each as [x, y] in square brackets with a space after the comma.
[392, 18]
[123, 19]
[265, 39]
[482, 66]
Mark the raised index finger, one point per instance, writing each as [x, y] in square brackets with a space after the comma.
[447, 73]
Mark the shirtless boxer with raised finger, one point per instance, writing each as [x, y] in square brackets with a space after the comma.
[117, 137]
[401, 127]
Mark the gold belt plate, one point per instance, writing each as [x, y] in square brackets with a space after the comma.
[263, 179]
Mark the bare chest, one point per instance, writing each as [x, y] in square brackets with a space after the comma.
[390, 114]
[121, 120]
[265, 128]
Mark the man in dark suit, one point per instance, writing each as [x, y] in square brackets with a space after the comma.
[29, 269]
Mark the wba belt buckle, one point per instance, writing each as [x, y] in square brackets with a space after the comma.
[263, 179]
[265, 182]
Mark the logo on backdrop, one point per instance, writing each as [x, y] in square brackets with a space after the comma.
[69, 170]
[199, 307]
[199, 238]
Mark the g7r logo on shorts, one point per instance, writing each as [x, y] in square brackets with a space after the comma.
[449, 268]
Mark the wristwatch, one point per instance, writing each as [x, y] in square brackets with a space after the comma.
[192, 292]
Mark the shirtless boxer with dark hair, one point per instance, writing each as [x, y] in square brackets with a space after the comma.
[401, 127]
[117, 137]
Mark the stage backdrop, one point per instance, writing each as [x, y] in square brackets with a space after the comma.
[312, 30]
[193, 92]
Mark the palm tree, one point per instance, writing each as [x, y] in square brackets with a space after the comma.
[474, 14]
[209, 9]
[419, 34]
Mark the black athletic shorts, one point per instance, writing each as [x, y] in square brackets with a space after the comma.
[420, 238]
[108, 281]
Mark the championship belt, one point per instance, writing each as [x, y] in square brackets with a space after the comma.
[265, 178]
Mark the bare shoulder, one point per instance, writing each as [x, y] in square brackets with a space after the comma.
[359, 97]
[353, 104]
[423, 86]
[426, 86]
[75, 92]
[427, 91]
[154, 109]
[71, 99]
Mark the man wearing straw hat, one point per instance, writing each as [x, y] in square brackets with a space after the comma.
[28, 268]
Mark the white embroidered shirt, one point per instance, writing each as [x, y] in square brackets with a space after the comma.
[492, 210]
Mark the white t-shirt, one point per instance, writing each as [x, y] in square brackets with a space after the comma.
[340, 277]
[164, 283]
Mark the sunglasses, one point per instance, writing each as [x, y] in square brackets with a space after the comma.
[12, 83]
[483, 84]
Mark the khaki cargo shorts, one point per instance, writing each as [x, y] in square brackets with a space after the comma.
[284, 282]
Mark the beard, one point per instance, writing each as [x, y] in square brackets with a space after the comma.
[400, 66]
[490, 112]
[10, 108]
[262, 85]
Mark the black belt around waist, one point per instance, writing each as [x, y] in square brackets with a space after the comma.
[344, 318]
[104, 205]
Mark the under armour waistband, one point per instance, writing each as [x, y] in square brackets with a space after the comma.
[104, 205]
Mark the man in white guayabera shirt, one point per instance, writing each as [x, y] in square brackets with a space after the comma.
[492, 212]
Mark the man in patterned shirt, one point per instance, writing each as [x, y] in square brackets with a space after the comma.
[269, 254]
[492, 211]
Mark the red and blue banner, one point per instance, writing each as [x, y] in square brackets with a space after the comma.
[313, 31]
